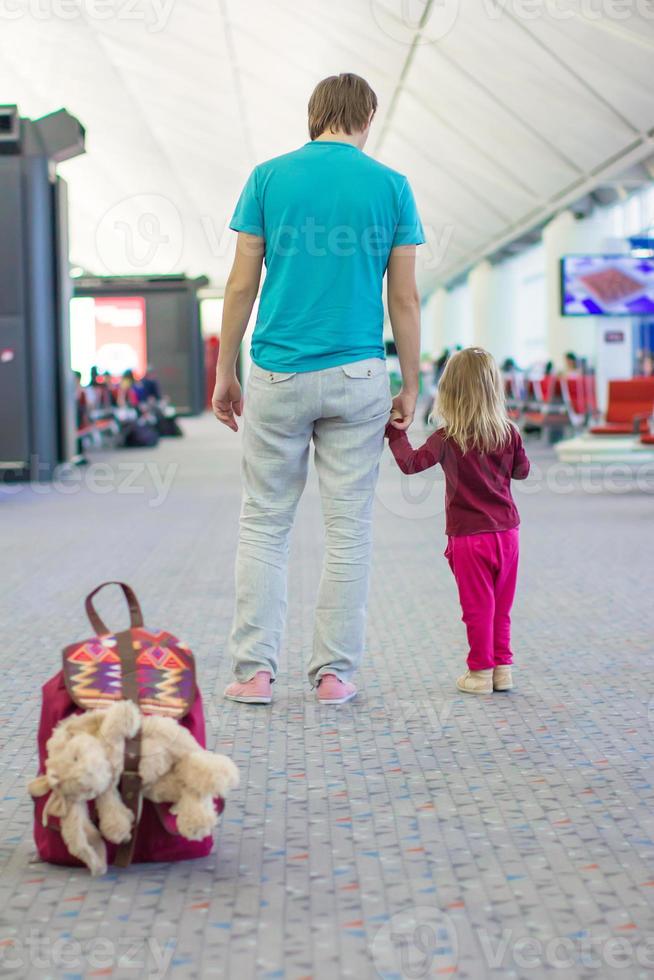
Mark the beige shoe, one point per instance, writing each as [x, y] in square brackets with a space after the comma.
[476, 682]
[502, 678]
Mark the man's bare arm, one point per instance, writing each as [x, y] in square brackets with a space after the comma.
[404, 311]
[240, 293]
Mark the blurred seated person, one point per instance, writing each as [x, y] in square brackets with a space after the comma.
[646, 364]
[81, 414]
[81, 404]
[571, 366]
[129, 393]
[439, 364]
[513, 379]
[158, 405]
[150, 385]
[93, 391]
[437, 368]
[510, 369]
[99, 391]
[110, 389]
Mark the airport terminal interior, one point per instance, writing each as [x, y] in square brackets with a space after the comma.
[413, 830]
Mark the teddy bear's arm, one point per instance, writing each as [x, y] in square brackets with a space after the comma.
[115, 818]
[83, 839]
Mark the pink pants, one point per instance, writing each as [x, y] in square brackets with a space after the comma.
[485, 567]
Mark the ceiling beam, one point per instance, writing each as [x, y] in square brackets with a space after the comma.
[567, 67]
[238, 84]
[408, 61]
[610, 170]
[513, 178]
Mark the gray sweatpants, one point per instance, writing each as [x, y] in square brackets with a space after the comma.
[344, 410]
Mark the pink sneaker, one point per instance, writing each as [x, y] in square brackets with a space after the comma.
[331, 690]
[255, 691]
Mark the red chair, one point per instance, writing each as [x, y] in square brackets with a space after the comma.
[550, 387]
[631, 404]
[546, 407]
[514, 395]
[575, 398]
[533, 403]
[591, 394]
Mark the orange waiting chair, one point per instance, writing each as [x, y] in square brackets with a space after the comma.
[631, 404]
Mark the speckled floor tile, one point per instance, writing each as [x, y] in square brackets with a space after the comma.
[415, 832]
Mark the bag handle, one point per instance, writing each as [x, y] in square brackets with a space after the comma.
[130, 781]
[135, 614]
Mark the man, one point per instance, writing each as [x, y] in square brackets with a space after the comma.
[329, 222]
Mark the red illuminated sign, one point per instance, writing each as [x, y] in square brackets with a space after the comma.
[120, 335]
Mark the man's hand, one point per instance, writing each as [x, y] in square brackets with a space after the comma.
[404, 408]
[227, 401]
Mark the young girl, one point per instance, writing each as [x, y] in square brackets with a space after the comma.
[480, 451]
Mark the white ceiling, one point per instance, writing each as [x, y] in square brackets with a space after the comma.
[499, 111]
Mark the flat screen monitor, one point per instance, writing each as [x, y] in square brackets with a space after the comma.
[110, 333]
[607, 285]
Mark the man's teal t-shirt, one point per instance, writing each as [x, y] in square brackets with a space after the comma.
[329, 215]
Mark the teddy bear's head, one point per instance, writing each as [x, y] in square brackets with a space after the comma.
[80, 769]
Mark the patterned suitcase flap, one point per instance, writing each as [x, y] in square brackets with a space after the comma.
[165, 672]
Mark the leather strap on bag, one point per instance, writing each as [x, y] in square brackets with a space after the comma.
[130, 781]
[135, 614]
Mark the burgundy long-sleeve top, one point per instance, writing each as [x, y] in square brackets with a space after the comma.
[477, 485]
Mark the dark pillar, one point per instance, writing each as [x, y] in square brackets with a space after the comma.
[36, 411]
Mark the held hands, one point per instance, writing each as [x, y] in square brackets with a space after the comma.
[403, 410]
[227, 401]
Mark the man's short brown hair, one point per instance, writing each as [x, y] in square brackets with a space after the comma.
[341, 103]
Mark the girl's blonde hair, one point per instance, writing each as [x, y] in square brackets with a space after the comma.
[470, 404]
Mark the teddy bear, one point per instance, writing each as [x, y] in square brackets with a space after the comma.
[85, 756]
[174, 769]
[84, 762]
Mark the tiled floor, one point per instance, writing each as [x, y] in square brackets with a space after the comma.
[413, 833]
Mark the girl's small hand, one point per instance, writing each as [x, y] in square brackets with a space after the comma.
[393, 417]
[403, 411]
